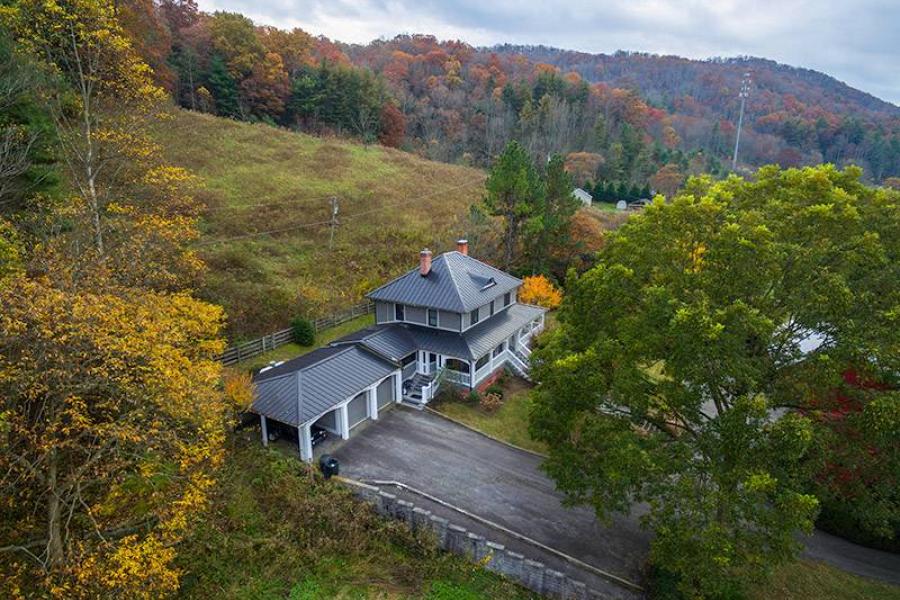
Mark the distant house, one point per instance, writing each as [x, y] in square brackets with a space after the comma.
[585, 198]
[453, 320]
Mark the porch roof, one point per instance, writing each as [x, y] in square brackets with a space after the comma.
[486, 336]
[394, 341]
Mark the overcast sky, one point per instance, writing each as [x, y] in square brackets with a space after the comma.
[856, 41]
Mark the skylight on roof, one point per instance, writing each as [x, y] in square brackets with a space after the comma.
[491, 282]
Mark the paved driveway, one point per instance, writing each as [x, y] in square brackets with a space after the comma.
[492, 480]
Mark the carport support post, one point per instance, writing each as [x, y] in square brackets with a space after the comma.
[372, 398]
[265, 430]
[304, 436]
[344, 421]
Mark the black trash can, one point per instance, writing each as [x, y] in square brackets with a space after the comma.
[329, 465]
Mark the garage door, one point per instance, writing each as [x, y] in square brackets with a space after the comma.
[358, 410]
[386, 392]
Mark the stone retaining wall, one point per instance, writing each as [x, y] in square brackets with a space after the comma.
[532, 574]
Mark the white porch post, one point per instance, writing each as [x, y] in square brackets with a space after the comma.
[344, 424]
[398, 387]
[304, 435]
[372, 394]
[472, 374]
[265, 430]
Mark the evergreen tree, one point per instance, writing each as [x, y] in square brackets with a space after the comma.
[513, 190]
[223, 88]
[547, 230]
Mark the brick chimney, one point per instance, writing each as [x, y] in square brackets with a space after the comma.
[462, 246]
[424, 262]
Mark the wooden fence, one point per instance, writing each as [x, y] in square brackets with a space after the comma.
[255, 347]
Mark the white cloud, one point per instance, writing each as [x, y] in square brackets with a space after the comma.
[854, 42]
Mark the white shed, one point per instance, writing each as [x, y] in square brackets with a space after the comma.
[583, 196]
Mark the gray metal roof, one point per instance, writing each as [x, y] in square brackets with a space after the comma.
[325, 377]
[391, 341]
[489, 334]
[456, 282]
[396, 340]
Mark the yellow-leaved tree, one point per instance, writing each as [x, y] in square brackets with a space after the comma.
[112, 427]
[111, 408]
[537, 289]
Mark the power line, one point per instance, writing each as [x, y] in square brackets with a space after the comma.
[264, 204]
[329, 222]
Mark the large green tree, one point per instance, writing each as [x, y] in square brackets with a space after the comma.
[683, 372]
[513, 190]
[547, 233]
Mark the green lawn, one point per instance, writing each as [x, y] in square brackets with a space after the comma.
[292, 350]
[508, 423]
[808, 580]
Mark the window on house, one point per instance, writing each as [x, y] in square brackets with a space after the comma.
[507, 298]
[492, 308]
[473, 318]
[408, 359]
[498, 350]
[399, 311]
[482, 361]
[457, 365]
[432, 317]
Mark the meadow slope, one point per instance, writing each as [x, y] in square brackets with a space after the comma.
[255, 178]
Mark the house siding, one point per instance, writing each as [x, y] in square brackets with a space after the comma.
[358, 409]
[450, 320]
[385, 392]
[415, 314]
[384, 312]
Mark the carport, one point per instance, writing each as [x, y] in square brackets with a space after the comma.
[335, 388]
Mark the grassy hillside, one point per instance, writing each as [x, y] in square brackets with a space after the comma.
[256, 178]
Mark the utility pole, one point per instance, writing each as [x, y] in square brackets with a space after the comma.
[745, 91]
[334, 213]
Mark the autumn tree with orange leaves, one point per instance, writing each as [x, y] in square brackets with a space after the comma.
[538, 290]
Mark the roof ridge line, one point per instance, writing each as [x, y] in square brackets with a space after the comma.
[453, 280]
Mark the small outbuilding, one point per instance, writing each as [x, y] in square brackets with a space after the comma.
[585, 198]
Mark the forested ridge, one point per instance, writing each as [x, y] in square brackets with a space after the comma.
[625, 116]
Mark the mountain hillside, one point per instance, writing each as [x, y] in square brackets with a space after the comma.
[257, 178]
[640, 119]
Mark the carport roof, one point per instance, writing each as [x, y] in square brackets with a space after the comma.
[308, 386]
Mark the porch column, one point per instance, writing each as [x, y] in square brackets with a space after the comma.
[265, 430]
[372, 395]
[398, 387]
[344, 421]
[472, 374]
[304, 435]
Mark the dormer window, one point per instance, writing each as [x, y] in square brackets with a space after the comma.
[432, 317]
[399, 312]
